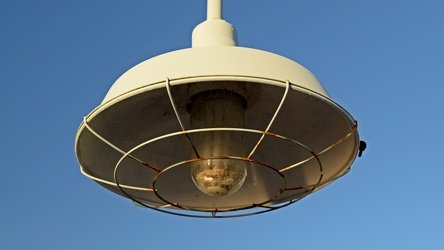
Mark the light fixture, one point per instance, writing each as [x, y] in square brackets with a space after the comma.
[216, 130]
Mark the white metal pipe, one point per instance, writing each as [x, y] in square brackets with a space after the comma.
[214, 9]
[214, 31]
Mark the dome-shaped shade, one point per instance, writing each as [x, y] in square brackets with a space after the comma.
[202, 62]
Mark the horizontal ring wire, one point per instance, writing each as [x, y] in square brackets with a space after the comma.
[157, 207]
[196, 131]
[286, 203]
[216, 157]
[112, 183]
[315, 155]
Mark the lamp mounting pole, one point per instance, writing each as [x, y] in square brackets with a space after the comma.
[214, 31]
[214, 9]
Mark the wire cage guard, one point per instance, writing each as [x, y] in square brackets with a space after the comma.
[284, 192]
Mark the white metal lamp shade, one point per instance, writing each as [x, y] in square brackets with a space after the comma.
[139, 142]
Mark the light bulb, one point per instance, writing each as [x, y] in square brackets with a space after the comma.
[212, 109]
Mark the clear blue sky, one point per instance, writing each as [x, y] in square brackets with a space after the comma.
[382, 60]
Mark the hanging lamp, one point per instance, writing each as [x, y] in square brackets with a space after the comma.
[216, 130]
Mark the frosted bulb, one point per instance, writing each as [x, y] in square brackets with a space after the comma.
[213, 109]
[219, 177]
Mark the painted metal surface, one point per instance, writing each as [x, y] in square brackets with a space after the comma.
[137, 143]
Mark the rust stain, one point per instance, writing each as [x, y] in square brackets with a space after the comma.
[152, 167]
[269, 133]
